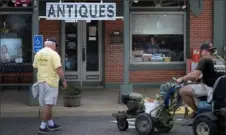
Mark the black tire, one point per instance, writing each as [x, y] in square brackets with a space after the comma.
[122, 124]
[208, 125]
[144, 124]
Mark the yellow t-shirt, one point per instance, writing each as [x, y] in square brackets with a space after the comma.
[47, 61]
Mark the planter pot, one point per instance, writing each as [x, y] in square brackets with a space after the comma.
[72, 100]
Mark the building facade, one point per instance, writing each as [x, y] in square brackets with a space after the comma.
[108, 52]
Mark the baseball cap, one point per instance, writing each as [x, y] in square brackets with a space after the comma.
[52, 39]
[207, 46]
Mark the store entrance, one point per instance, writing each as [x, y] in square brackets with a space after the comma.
[83, 52]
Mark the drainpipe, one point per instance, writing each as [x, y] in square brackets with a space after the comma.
[126, 88]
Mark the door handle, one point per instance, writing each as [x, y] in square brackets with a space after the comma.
[83, 54]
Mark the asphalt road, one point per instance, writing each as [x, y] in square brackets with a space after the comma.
[89, 125]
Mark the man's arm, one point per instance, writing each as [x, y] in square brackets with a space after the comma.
[60, 72]
[57, 65]
[193, 76]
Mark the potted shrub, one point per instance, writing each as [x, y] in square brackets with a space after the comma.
[72, 96]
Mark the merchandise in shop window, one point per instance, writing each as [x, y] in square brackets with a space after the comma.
[158, 37]
[15, 3]
[23, 3]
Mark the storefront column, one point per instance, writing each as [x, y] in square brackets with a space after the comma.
[219, 25]
[224, 32]
[35, 31]
[126, 87]
[62, 42]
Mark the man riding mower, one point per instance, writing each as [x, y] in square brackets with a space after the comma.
[211, 67]
[208, 93]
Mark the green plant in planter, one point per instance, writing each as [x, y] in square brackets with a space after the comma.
[72, 96]
[72, 90]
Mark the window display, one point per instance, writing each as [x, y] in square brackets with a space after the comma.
[11, 50]
[15, 38]
[15, 3]
[157, 37]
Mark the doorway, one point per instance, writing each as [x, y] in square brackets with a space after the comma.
[83, 52]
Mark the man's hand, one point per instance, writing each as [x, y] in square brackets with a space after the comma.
[180, 80]
[64, 84]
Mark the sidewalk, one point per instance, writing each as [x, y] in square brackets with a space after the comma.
[97, 101]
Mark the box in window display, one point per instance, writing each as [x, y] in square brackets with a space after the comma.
[137, 55]
[147, 57]
[157, 58]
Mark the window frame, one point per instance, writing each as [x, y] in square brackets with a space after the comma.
[159, 13]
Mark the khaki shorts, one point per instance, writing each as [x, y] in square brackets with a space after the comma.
[47, 95]
[200, 90]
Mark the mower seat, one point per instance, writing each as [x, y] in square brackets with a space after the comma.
[219, 93]
[203, 98]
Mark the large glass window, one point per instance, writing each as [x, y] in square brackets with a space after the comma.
[157, 37]
[16, 48]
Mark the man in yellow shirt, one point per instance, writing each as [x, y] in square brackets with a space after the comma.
[48, 63]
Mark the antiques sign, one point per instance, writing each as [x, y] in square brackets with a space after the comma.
[80, 11]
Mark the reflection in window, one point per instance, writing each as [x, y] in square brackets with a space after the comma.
[152, 43]
[71, 54]
[15, 38]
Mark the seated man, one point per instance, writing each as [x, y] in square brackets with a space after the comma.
[210, 67]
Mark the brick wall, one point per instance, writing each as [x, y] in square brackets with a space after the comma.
[113, 60]
[49, 28]
[201, 27]
[200, 31]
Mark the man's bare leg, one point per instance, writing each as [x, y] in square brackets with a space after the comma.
[186, 95]
[47, 113]
[46, 116]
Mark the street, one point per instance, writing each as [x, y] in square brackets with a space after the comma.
[89, 125]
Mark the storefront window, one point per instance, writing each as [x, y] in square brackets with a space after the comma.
[157, 37]
[15, 38]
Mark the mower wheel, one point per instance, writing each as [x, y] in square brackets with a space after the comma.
[144, 124]
[164, 128]
[205, 126]
[122, 124]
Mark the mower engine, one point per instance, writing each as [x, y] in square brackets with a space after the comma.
[134, 103]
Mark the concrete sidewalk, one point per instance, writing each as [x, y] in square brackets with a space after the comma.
[95, 101]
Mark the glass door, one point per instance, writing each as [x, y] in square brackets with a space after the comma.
[91, 52]
[72, 54]
[83, 52]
